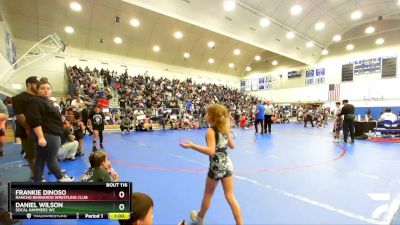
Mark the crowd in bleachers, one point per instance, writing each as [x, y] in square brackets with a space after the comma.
[179, 104]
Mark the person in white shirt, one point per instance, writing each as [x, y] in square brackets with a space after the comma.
[53, 100]
[77, 104]
[338, 109]
[269, 110]
[388, 115]
[138, 112]
[336, 112]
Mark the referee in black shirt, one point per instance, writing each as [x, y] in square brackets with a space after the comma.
[348, 121]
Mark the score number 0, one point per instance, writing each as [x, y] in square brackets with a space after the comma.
[121, 206]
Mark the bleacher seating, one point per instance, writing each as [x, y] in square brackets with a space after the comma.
[155, 96]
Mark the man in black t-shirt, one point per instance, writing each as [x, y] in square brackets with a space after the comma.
[348, 121]
[20, 104]
[97, 120]
[122, 104]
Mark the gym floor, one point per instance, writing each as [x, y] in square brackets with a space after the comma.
[295, 175]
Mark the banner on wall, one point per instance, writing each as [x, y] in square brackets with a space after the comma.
[320, 76]
[366, 66]
[261, 83]
[268, 82]
[309, 77]
[256, 84]
[294, 74]
[248, 85]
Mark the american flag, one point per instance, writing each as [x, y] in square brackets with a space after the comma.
[334, 92]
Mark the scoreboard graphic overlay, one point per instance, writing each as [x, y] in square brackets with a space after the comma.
[69, 201]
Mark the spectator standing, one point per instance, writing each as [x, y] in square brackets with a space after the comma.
[309, 117]
[336, 112]
[269, 111]
[20, 104]
[348, 121]
[45, 120]
[259, 117]
[122, 104]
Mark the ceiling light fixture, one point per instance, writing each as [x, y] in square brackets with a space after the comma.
[274, 62]
[134, 22]
[319, 26]
[211, 60]
[296, 10]
[231, 65]
[380, 41]
[69, 29]
[178, 35]
[248, 68]
[310, 44]
[117, 40]
[356, 15]
[229, 5]
[325, 52]
[349, 47]
[257, 58]
[370, 30]
[236, 52]
[337, 37]
[211, 44]
[186, 55]
[264, 22]
[290, 35]
[156, 48]
[75, 6]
